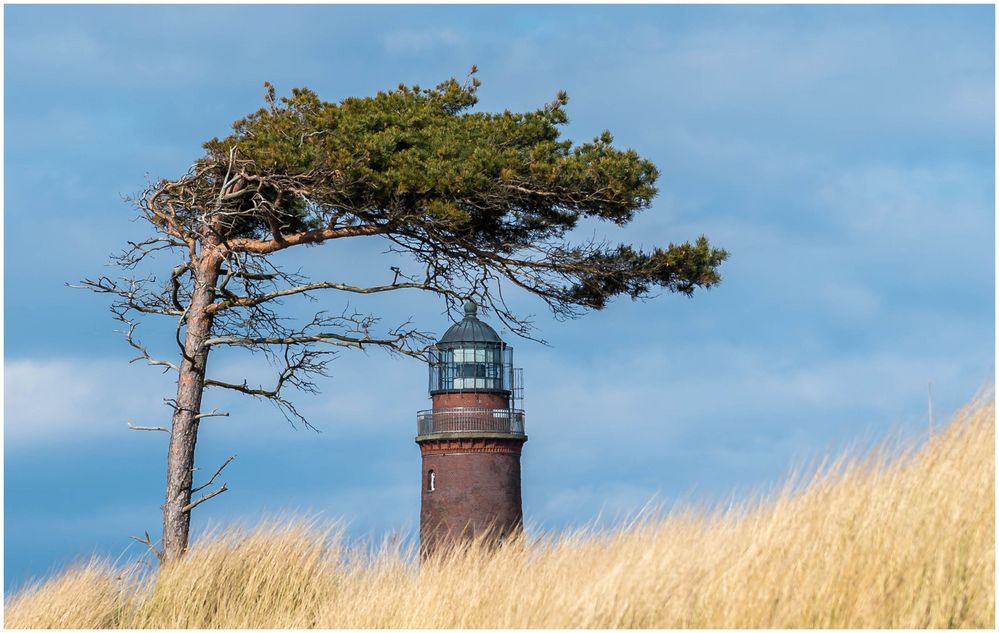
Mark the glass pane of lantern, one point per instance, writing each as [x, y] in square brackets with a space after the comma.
[471, 355]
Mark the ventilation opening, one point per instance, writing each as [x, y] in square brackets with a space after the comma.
[431, 481]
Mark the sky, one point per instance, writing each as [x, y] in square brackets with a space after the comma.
[843, 155]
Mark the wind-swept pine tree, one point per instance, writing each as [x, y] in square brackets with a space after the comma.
[477, 200]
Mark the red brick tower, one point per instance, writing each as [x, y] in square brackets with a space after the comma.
[472, 437]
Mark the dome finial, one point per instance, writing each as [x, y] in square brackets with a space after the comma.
[470, 309]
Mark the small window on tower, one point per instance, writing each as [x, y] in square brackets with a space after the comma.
[431, 481]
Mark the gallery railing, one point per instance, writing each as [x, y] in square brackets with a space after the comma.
[470, 419]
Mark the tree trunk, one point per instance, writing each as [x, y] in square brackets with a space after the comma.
[190, 388]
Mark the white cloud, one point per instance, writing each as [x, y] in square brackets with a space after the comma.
[642, 400]
[829, 73]
[71, 399]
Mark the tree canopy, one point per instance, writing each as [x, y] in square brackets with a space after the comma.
[451, 186]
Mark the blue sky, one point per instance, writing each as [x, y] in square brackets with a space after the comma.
[843, 155]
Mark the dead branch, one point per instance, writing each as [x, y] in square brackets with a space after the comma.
[238, 302]
[148, 542]
[134, 297]
[209, 482]
[148, 428]
[144, 354]
[258, 392]
[299, 367]
[325, 337]
[211, 414]
[195, 504]
[175, 275]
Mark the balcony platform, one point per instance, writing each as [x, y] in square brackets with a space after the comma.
[461, 422]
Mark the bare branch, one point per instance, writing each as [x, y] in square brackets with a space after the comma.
[211, 414]
[136, 252]
[299, 366]
[325, 337]
[148, 542]
[144, 354]
[195, 504]
[132, 297]
[175, 284]
[243, 388]
[148, 428]
[250, 276]
[239, 302]
[209, 482]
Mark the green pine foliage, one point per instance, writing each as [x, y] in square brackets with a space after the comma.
[473, 185]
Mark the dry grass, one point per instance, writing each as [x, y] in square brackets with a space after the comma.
[901, 538]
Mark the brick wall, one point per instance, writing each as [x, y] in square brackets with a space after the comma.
[476, 488]
[471, 399]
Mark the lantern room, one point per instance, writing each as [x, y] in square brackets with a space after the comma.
[472, 357]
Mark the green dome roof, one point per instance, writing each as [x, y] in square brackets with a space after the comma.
[470, 330]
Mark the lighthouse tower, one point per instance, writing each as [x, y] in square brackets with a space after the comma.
[472, 437]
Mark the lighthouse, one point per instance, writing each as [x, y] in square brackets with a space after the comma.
[471, 439]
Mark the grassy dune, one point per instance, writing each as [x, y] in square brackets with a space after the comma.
[898, 538]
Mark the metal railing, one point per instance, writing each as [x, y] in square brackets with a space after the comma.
[470, 419]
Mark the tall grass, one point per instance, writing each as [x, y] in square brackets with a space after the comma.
[902, 537]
